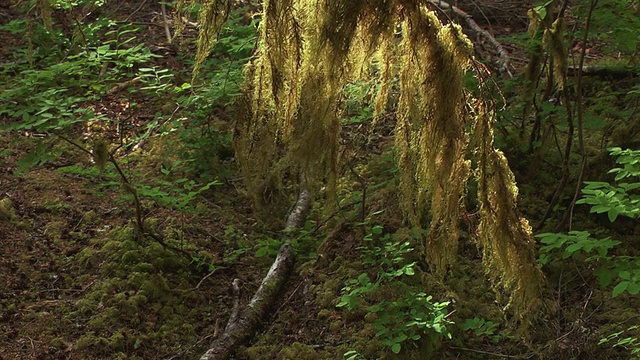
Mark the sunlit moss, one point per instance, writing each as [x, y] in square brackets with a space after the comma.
[309, 50]
[506, 238]
[7, 213]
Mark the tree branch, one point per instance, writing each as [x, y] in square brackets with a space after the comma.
[241, 326]
[505, 60]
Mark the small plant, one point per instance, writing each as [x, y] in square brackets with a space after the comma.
[267, 247]
[620, 199]
[573, 245]
[580, 245]
[631, 343]
[178, 194]
[482, 327]
[353, 355]
[409, 316]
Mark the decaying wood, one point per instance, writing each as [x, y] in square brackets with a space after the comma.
[299, 213]
[241, 327]
[603, 71]
[235, 312]
[123, 85]
[505, 60]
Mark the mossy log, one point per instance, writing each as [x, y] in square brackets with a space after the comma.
[238, 330]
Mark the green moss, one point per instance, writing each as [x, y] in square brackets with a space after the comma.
[138, 300]
[90, 217]
[298, 351]
[90, 340]
[96, 323]
[324, 314]
[336, 326]
[130, 257]
[85, 306]
[260, 352]
[58, 343]
[136, 279]
[166, 312]
[111, 247]
[143, 268]
[117, 341]
[327, 293]
[155, 288]
[7, 213]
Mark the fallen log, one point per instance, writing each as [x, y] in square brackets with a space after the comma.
[241, 326]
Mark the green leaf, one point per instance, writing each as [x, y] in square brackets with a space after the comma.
[571, 249]
[612, 214]
[621, 287]
[633, 288]
[605, 276]
[624, 275]
[395, 348]
[363, 279]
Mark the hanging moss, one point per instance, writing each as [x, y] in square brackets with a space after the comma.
[554, 43]
[430, 132]
[506, 238]
[213, 15]
[309, 50]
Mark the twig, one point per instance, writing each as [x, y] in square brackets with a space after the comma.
[285, 303]
[579, 114]
[135, 11]
[131, 189]
[123, 85]
[505, 61]
[364, 183]
[490, 353]
[206, 277]
[165, 22]
[336, 213]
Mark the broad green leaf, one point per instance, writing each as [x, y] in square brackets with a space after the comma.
[625, 275]
[618, 289]
[633, 288]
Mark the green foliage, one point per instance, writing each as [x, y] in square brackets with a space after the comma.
[353, 355]
[573, 245]
[625, 270]
[619, 199]
[615, 200]
[616, 24]
[357, 107]
[631, 343]
[232, 252]
[205, 137]
[56, 95]
[178, 194]
[482, 327]
[41, 154]
[267, 247]
[407, 315]
[302, 241]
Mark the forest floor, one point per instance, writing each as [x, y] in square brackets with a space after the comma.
[78, 282]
